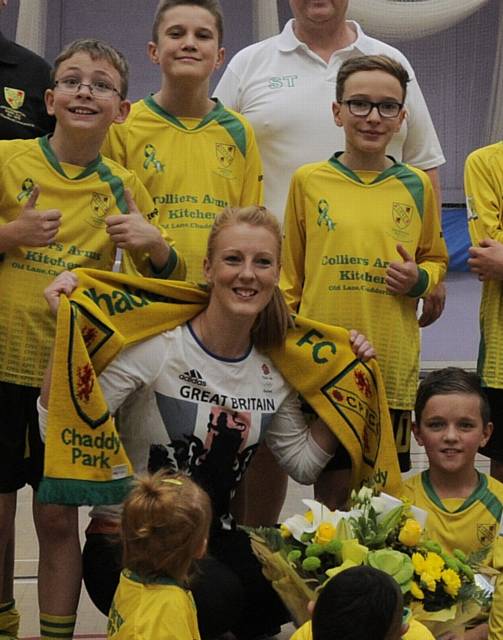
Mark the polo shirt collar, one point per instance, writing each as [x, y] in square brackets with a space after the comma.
[288, 41]
[8, 51]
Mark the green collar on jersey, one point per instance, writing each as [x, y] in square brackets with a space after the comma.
[477, 494]
[54, 162]
[390, 171]
[219, 114]
[398, 170]
[166, 580]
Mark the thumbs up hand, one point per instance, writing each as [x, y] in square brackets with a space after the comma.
[132, 231]
[34, 227]
[401, 277]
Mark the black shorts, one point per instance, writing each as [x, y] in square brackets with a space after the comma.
[401, 419]
[21, 449]
[494, 448]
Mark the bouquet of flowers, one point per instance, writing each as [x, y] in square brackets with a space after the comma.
[382, 532]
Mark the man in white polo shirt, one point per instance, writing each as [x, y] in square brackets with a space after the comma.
[285, 86]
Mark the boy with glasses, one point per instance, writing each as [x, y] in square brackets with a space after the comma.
[62, 205]
[363, 240]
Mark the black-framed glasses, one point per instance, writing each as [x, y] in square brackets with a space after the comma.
[386, 109]
[98, 88]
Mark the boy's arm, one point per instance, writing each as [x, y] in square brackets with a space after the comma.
[252, 191]
[483, 177]
[485, 207]
[431, 254]
[294, 246]
[148, 249]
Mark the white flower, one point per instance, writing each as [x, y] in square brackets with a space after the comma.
[299, 524]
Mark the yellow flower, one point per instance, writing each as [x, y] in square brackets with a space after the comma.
[284, 531]
[416, 592]
[433, 564]
[324, 533]
[428, 581]
[418, 562]
[410, 533]
[309, 516]
[451, 581]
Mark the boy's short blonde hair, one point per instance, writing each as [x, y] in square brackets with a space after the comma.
[213, 6]
[371, 63]
[96, 50]
[165, 523]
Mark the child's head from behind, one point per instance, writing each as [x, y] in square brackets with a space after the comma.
[360, 603]
[452, 418]
[165, 525]
[97, 51]
[370, 92]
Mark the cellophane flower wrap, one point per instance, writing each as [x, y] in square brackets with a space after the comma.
[379, 531]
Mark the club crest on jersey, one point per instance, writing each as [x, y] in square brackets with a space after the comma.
[225, 154]
[14, 97]
[323, 215]
[402, 214]
[486, 533]
[150, 159]
[100, 205]
[26, 189]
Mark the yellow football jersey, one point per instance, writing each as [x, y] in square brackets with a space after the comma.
[85, 200]
[416, 631]
[484, 200]
[341, 233]
[150, 610]
[469, 524]
[191, 168]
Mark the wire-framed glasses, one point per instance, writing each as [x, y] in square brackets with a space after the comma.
[98, 88]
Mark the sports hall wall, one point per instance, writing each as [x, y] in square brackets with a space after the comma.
[454, 69]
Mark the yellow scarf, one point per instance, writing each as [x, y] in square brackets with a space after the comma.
[85, 462]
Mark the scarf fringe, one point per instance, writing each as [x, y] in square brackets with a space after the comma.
[80, 492]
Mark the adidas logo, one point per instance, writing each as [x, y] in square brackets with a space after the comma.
[194, 377]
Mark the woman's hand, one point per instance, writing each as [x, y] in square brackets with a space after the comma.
[65, 283]
[361, 346]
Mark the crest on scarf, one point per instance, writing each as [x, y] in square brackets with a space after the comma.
[348, 393]
[82, 375]
[402, 214]
[14, 97]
